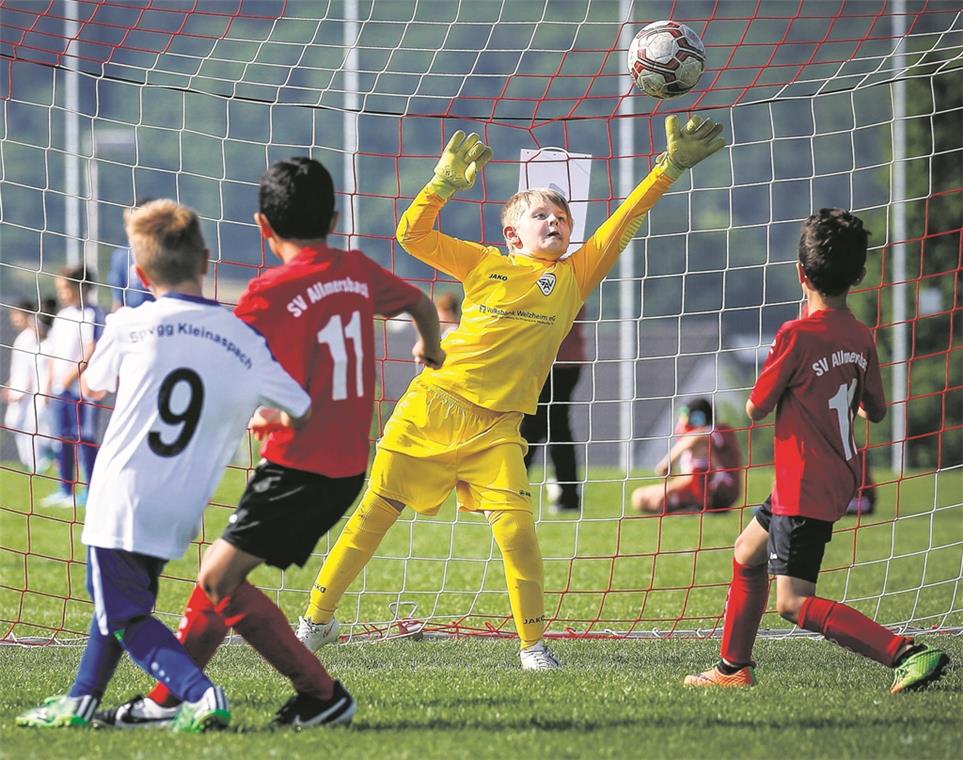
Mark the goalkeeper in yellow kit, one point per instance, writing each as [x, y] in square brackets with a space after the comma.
[458, 426]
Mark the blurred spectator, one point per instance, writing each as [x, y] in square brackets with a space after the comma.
[24, 416]
[126, 288]
[552, 420]
[709, 465]
[71, 342]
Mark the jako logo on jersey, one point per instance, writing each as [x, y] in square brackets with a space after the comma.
[495, 276]
[546, 283]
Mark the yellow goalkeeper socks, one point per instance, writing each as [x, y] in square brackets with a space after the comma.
[514, 532]
[354, 547]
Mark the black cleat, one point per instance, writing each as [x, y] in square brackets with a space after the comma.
[303, 710]
[138, 712]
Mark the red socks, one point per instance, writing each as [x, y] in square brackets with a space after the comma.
[266, 629]
[745, 604]
[262, 625]
[851, 629]
[201, 631]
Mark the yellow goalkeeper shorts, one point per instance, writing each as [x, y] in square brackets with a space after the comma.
[436, 441]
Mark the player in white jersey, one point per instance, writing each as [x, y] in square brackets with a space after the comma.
[193, 374]
[188, 376]
[24, 416]
[69, 345]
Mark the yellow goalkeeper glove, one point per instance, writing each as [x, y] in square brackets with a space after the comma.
[458, 166]
[687, 146]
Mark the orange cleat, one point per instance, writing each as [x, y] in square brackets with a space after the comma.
[715, 677]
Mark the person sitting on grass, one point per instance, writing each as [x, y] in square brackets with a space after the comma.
[188, 375]
[457, 427]
[709, 464]
[821, 371]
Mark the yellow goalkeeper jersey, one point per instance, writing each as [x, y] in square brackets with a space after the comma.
[517, 309]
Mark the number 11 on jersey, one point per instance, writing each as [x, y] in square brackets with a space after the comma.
[842, 404]
[333, 335]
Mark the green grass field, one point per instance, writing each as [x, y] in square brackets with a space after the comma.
[468, 698]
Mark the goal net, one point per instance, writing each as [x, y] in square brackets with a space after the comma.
[856, 105]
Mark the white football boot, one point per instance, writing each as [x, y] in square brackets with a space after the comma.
[316, 635]
[538, 657]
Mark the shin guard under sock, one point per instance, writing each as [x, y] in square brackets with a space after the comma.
[158, 653]
[850, 628]
[350, 553]
[265, 628]
[745, 605]
[514, 532]
[201, 631]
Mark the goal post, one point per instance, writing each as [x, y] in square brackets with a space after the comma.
[851, 105]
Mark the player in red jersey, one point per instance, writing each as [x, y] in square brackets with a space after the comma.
[709, 461]
[822, 370]
[316, 312]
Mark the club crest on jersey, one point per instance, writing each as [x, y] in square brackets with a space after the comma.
[546, 283]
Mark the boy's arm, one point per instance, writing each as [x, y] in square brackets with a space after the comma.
[46, 382]
[685, 443]
[75, 371]
[456, 170]
[774, 377]
[873, 404]
[685, 148]
[267, 419]
[754, 412]
[101, 365]
[285, 403]
[427, 349]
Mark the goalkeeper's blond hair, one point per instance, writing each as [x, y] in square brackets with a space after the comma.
[516, 205]
[166, 240]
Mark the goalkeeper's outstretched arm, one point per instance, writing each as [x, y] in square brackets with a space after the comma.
[685, 147]
[456, 170]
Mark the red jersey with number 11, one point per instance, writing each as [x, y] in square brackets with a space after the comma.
[317, 314]
[819, 370]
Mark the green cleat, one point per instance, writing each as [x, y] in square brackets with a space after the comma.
[919, 670]
[207, 713]
[60, 712]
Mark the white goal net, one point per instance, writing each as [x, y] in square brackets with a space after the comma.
[856, 105]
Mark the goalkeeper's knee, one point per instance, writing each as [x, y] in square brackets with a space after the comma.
[374, 513]
[514, 532]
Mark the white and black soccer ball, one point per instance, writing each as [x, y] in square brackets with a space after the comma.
[666, 59]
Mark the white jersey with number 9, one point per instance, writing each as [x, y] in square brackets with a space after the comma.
[188, 374]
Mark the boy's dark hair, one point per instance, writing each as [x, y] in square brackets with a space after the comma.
[80, 277]
[297, 197]
[699, 412]
[48, 308]
[832, 250]
[25, 304]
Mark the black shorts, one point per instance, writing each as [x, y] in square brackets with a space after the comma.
[796, 544]
[283, 512]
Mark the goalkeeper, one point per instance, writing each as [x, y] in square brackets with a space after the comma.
[458, 426]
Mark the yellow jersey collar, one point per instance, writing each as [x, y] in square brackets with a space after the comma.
[531, 261]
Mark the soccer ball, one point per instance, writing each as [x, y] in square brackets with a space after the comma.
[666, 59]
